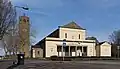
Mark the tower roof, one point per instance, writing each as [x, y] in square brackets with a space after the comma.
[72, 25]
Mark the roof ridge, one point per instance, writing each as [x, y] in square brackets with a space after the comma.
[72, 25]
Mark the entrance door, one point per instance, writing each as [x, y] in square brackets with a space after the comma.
[84, 51]
[72, 51]
[66, 50]
[59, 50]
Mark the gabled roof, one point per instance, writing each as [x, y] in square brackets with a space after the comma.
[72, 25]
[103, 42]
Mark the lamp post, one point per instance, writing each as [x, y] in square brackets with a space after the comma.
[64, 45]
[79, 46]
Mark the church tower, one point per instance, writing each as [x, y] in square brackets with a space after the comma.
[24, 32]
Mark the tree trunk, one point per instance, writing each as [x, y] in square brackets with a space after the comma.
[2, 47]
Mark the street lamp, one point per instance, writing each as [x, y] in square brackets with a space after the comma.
[64, 45]
[25, 8]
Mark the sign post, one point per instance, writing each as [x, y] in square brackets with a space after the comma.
[64, 45]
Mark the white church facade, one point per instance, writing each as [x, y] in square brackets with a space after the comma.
[70, 40]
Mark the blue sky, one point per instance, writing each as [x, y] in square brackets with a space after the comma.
[99, 17]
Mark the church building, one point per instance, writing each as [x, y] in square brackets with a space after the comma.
[68, 41]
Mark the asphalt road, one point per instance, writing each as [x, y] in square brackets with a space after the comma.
[36, 64]
[4, 64]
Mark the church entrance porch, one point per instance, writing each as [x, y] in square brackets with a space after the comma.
[70, 51]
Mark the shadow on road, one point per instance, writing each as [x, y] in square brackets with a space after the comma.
[13, 66]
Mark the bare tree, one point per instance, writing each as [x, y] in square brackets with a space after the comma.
[7, 16]
[11, 41]
[7, 19]
[115, 37]
[115, 41]
[7, 44]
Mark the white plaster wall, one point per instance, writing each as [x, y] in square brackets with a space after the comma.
[33, 53]
[90, 49]
[52, 45]
[72, 33]
[105, 49]
[51, 48]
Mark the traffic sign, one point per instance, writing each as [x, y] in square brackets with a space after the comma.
[64, 42]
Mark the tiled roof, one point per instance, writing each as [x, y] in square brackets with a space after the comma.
[72, 25]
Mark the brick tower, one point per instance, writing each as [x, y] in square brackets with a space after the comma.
[24, 35]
